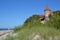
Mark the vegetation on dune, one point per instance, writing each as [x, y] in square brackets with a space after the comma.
[33, 26]
[17, 28]
[31, 21]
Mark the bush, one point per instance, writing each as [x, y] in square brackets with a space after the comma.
[17, 28]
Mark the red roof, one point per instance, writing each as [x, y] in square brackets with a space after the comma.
[41, 16]
[47, 8]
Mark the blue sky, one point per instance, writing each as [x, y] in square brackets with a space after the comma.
[15, 12]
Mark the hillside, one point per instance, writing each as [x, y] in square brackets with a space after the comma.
[32, 29]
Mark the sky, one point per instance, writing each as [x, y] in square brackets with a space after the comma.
[15, 12]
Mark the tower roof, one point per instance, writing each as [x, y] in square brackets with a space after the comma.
[47, 8]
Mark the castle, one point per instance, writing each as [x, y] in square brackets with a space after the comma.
[45, 17]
